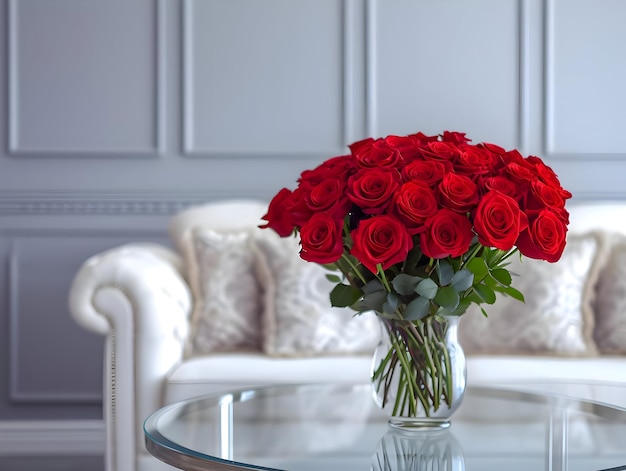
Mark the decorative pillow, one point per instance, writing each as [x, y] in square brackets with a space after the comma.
[227, 295]
[610, 303]
[298, 319]
[557, 316]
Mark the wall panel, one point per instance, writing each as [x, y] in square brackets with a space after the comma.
[585, 58]
[83, 77]
[264, 77]
[446, 65]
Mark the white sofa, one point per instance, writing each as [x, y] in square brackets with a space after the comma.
[139, 298]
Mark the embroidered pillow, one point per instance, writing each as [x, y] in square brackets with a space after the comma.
[557, 317]
[298, 319]
[227, 296]
[610, 304]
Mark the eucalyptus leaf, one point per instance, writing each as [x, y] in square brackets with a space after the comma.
[372, 286]
[427, 288]
[391, 305]
[445, 272]
[462, 280]
[447, 297]
[344, 295]
[371, 302]
[405, 284]
[485, 293]
[417, 309]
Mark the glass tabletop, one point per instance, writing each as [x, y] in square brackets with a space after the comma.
[338, 427]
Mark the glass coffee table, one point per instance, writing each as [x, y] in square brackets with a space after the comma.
[338, 427]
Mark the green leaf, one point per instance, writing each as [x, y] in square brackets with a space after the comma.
[502, 275]
[478, 267]
[333, 278]
[445, 272]
[427, 288]
[510, 291]
[371, 302]
[417, 309]
[462, 280]
[447, 297]
[485, 293]
[344, 295]
[405, 284]
[391, 305]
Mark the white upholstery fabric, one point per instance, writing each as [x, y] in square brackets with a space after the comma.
[137, 296]
[227, 295]
[557, 315]
[298, 319]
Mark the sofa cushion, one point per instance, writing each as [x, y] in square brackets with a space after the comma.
[610, 302]
[227, 296]
[557, 316]
[298, 319]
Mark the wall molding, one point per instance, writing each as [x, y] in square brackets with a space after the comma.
[14, 146]
[52, 437]
[135, 203]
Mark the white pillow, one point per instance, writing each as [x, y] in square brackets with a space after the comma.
[227, 295]
[298, 319]
[610, 303]
[557, 317]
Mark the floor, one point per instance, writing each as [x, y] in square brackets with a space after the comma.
[51, 463]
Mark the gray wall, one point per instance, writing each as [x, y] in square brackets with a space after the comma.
[118, 113]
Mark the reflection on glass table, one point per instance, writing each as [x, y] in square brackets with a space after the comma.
[338, 427]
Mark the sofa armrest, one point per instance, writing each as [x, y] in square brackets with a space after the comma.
[136, 296]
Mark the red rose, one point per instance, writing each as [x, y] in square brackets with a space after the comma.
[498, 221]
[422, 139]
[321, 239]
[296, 205]
[278, 216]
[371, 189]
[455, 137]
[458, 192]
[376, 154]
[496, 149]
[429, 172]
[547, 176]
[380, 239]
[442, 150]
[413, 204]
[474, 161]
[544, 239]
[339, 167]
[329, 196]
[447, 234]
[409, 147]
[544, 196]
[499, 183]
[363, 143]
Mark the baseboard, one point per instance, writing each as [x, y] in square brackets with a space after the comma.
[52, 437]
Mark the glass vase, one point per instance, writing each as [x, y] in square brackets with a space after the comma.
[419, 372]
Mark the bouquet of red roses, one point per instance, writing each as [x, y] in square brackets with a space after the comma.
[422, 226]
